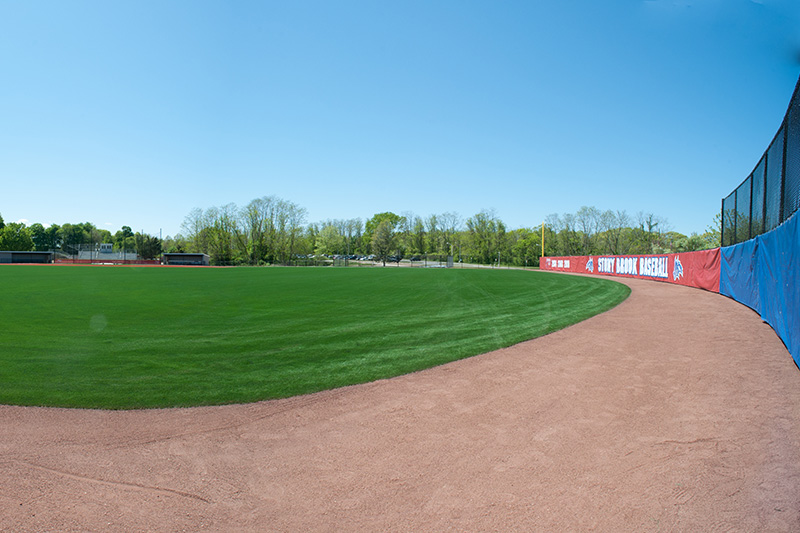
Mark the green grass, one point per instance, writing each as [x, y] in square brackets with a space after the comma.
[154, 337]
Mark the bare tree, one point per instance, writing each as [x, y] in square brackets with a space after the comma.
[587, 221]
[613, 226]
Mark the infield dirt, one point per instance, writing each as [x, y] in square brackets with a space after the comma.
[679, 410]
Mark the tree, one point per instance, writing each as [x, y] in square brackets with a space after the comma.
[194, 228]
[2, 224]
[330, 240]
[39, 236]
[373, 223]
[418, 236]
[101, 236]
[223, 234]
[310, 237]
[487, 236]
[124, 239]
[53, 236]
[451, 227]
[566, 240]
[147, 246]
[291, 218]
[15, 237]
[587, 220]
[613, 226]
[712, 236]
[259, 219]
[649, 234]
[353, 232]
[383, 240]
[175, 245]
[434, 235]
[271, 230]
[525, 246]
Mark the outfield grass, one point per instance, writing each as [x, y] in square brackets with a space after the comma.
[121, 337]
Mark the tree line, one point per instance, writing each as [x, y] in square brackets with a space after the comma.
[69, 239]
[270, 230]
[590, 231]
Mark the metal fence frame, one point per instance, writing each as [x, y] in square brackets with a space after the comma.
[771, 193]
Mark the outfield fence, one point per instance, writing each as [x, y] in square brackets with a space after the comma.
[771, 193]
[758, 264]
[760, 256]
[693, 269]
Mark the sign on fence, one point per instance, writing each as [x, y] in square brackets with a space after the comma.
[693, 269]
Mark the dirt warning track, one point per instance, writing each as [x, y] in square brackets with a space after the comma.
[679, 410]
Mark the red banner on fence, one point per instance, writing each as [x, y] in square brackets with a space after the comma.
[693, 269]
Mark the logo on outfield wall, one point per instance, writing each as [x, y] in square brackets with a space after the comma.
[677, 269]
[651, 267]
[590, 265]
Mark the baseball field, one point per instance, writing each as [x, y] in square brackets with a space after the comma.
[677, 410]
[120, 337]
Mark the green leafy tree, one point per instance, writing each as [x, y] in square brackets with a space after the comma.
[524, 246]
[124, 239]
[383, 240]
[75, 235]
[147, 246]
[45, 239]
[175, 245]
[418, 236]
[487, 237]
[712, 236]
[103, 236]
[15, 237]
[224, 235]
[330, 240]
[372, 225]
[39, 236]
[53, 236]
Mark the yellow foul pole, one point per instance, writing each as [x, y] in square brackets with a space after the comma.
[542, 240]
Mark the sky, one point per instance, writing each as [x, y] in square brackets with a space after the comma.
[135, 112]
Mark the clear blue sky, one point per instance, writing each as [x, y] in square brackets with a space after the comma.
[135, 112]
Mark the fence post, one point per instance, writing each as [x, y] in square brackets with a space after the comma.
[764, 194]
[785, 128]
[736, 215]
[750, 213]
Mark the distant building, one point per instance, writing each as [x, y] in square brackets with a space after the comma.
[185, 259]
[26, 257]
[106, 248]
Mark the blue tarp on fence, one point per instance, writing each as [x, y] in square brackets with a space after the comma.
[764, 274]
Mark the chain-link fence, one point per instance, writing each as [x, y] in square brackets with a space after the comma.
[96, 254]
[771, 193]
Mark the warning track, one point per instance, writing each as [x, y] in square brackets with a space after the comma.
[679, 410]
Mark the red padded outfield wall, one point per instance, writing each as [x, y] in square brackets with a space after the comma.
[693, 269]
